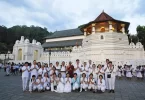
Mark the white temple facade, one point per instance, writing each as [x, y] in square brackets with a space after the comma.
[101, 39]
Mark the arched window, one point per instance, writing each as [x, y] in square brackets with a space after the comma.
[102, 29]
[102, 37]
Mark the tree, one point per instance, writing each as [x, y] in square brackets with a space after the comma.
[141, 34]
[8, 36]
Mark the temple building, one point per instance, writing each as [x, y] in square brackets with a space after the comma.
[66, 39]
[100, 39]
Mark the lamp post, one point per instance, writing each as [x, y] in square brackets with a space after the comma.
[8, 54]
[49, 55]
[5, 59]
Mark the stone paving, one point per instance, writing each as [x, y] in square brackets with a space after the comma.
[11, 89]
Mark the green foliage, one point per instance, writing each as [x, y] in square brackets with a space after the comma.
[141, 34]
[8, 36]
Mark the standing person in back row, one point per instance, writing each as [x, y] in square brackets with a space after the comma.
[105, 68]
[34, 69]
[25, 75]
[111, 75]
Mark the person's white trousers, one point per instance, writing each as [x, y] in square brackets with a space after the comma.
[91, 86]
[75, 86]
[106, 81]
[46, 86]
[24, 82]
[111, 83]
[102, 88]
[39, 87]
[32, 87]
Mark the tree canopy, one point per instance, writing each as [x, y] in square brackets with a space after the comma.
[8, 36]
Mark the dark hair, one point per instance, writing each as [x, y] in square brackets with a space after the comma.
[39, 75]
[77, 60]
[75, 74]
[110, 62]
[83, 74]
[91, 74]
[100, 76]
[33, 76]
[26, 62]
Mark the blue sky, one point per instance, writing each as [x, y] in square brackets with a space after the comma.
[68, 14]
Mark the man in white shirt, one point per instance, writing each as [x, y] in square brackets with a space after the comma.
[111, 76]
[77, 68]
[105, 68]
[25, 75]
[34, 69]
[42, 71]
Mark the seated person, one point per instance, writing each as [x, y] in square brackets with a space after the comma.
[32, 84]
[75, 82]
[101, 84]
[84, 82]
[46, 82]
[40, 83]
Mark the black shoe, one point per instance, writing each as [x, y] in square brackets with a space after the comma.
[113, 91]
[110, 91]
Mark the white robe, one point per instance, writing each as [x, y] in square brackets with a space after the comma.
[128, 73]
[42, 71]
[138, 73]
[101, 86]
[46, 83]
[39, 86]
[60, 86]
[67, 87]
[111, 81]
[84, 82]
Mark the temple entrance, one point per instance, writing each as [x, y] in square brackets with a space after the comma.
[20, 54]
[35, 54]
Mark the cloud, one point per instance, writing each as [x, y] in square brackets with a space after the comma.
[65, 14]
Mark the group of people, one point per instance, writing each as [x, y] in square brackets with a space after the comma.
[74, 77]
[60, 78]
[128, 71]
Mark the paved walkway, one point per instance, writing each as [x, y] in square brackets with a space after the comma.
[11, 89]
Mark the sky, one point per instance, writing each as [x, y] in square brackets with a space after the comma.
[69, 14]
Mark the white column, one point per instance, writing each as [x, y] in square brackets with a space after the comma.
[85, 33]
[93, 29]
[123, 29]
[110, 26]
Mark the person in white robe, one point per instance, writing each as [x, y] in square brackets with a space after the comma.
[100, 71]
[25, 75]
[75, 82]
[32, 84]
[84, 82]
[67, 86]
[91, 83]
[101, 84]
[90, 65]
[40, 83]
[60, 84]
[119, 72]
[42, 70]
[84, 69]
[138, 72]
[52, 72]
[34, 69]
[94, 72]
[129, 72]
[63, 70]
[105, 68]
[111, 76]
[77, 68]
[58, 67]
[54, 80]
[46, 80]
